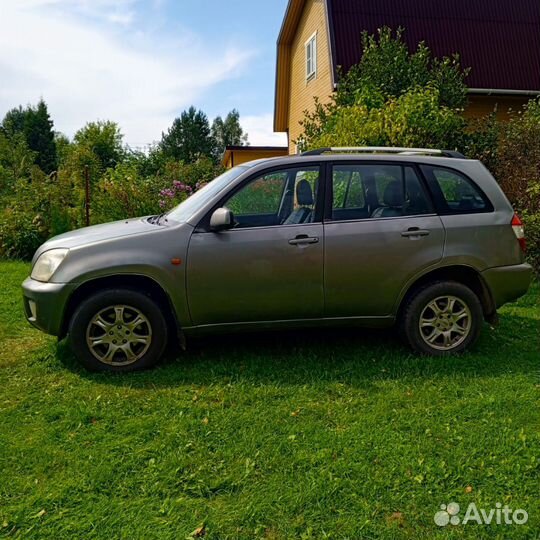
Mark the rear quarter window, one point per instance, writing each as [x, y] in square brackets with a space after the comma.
[455, 193]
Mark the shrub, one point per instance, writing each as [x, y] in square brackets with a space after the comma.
[21, 233]
[122, 193]
[34, 209]
[180, 180]
[532, 233]
[481, 140]
[16, 161]
[518, 160]
[517, 169]
[414, 119]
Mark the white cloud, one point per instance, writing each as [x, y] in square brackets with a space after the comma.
[260, 131]
[82, 59]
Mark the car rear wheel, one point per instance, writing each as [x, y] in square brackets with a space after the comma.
[441, 319]
[118, 330]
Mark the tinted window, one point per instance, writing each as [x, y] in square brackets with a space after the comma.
[285, 197]
[454, 192]
[376, 191]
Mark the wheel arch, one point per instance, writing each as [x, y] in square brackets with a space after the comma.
[136, 282]
[463, 274]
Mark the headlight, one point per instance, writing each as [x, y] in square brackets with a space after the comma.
[47, 264]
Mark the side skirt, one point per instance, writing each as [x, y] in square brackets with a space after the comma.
[342, 322]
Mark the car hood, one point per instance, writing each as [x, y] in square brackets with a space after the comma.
[98, 233]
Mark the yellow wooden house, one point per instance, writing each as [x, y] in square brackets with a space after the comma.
[498, 39]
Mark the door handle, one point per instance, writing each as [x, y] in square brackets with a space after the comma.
[415, 232]
[303, 239]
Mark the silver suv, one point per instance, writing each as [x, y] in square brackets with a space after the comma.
[417, 238]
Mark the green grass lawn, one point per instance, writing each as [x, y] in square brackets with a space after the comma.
[311, 435]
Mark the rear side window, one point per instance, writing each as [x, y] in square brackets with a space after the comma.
[376, 190]
[348, 188]
[454, 193]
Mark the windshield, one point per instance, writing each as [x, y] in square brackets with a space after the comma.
[193, 204]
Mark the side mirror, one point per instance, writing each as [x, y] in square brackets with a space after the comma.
[221, 220]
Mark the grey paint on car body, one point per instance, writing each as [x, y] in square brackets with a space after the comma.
[357, 270]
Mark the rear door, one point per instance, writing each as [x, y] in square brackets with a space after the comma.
[380, 231]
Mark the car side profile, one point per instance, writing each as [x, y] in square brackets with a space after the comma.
[417, 238]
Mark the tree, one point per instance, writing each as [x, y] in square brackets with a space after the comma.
[387, 69]
[39, 133]
[13, 122]
[37, 127]
[228, 132]
[392, 97]
[63, 145]
[189, 138]
[104, 140]
[16, 160]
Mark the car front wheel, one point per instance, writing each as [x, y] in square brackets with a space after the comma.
[442, 318]
[118, 330]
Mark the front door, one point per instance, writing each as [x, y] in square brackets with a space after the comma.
[269, 267]
[382, 232]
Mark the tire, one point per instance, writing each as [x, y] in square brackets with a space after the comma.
[448, 327]
[118, 330]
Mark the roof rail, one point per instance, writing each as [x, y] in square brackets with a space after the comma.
[384, 150]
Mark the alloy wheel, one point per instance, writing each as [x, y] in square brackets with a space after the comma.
[119, 335]
[445, 323]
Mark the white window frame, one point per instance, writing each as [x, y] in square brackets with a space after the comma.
[311, 57]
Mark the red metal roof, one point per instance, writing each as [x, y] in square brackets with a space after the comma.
[498, 39]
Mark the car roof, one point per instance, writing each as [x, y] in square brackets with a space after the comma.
[401, 158]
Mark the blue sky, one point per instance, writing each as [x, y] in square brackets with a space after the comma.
[141, 62]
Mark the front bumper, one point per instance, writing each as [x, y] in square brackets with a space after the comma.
[508, 283]
[45, 304]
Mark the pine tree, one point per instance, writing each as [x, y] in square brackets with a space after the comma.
[37, 127]
[39, 134]
[189, 138]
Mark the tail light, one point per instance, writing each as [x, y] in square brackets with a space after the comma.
[519, 231]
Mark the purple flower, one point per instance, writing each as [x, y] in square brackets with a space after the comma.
[180, 187]
[167, 193]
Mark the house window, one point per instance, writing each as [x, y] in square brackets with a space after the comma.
[311, 57]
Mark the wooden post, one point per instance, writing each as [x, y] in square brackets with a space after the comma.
[87, 194]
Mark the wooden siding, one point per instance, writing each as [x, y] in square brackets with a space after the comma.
[237, 156]
[479, 105]
[301, 91]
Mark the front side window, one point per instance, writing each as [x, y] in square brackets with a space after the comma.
[285, 197]
[454, 192]
[311, 57]
[184, 211]
[377, 191]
